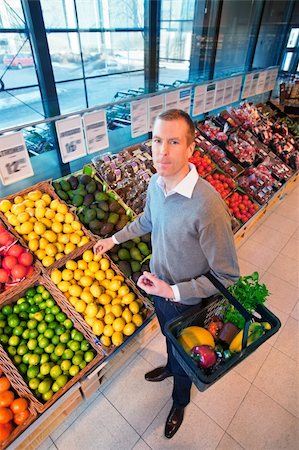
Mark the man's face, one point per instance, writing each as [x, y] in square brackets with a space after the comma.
[170, 147]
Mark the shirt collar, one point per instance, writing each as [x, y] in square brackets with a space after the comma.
[184, 187]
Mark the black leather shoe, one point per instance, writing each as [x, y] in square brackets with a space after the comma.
[158, 374]
[174, 421]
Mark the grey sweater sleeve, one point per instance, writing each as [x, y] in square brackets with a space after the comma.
[217, 242]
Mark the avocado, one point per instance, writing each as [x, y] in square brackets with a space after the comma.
[89, 215]
[136, 240]
[91, 187]
[56, 186]
[103, 205]
[135, 276]
[120, 224]
[146, 238]
[88, 199]
[135, 254]
[125, 268]
[114, 257]
[73, 182]
[63, 195]
[113, 205]
[101, 196]
[65, 185]
[81, 218]
[77, 200]
[145, 267]
[80, 190]
[99, 186]
[128, 244]
[113, 218]
[85, 179]
[124, 254]
[71, 194]
[135, 266]
[95, 226]
[106, 229]
[100, 213]
[143, 248]
[120, 210]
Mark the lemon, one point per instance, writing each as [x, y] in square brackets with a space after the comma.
[67, 295]
[117, 338]
[89, 273]
[56, 227]
[84, 241]
[76, 225]
[56, 276]
[23, 217]
[66, 228]
[40, 212]
[100, 275]
[85, 281]
[67, 275]
[33, 235]
[25, 236]
[75, 290]
[33, 245]
[95, 290]
[109, 318]
[73, 301]
[18, 199]
[71, 264]
[45, 221]
[127, 315]
[105, 264]
[60, 247]
[69, 247]
[94, 266]
[137, 320]
[116, 301]
[97, 258]
[118, 324]
[30, 211]
[80, 306]
[114, 285]
[75, 238]
[97, 327]
[87, 297]
[91, 310]
[104, 299]
[117, 310]
[5, 206]
[59, 217]
[62, 208]
[18, 209]
[109, 273]
[50, 236]
[34, 195]
[63, 285]
[129, 329]
[128, 298]
[82, 265]
[26, 228]
[39, 228]
[87, 256]
[51, 250]
[105, 283]
[43, 242]
[33, 219]
[90, 320]
[50, 214]
[46, 198]
[123, 290]
[134, 307]
[29, 203]
[111, 293]
[101, 312]
[73, 281]
[40, 203]
[63, 238]
[54, 204]
[48, 261]
[108, 330]
[40, 253]
[107, 308]
[68, 218]
[78, 274]
[59, 256]
[105, 340]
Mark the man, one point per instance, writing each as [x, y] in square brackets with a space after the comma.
[191, 234]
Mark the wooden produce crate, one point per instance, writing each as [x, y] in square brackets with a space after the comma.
[46, 188]
[12, 372]
[88, 330]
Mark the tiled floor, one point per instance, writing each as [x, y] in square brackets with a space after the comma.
[255, 406]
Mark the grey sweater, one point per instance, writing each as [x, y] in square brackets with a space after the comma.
[190, 236]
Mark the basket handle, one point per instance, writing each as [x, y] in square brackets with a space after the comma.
[247, 316]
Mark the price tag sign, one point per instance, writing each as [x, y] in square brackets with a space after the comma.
[228, 93]
[155, 107]
[172, 100]
[237, 88]
[261, 82]
[254, 84]
[247, 85]
[210, 97]
[139, 118]
[199, 100]
[71, 138]
[15, 163]
[220, 88]
[185, 100]
[95, 126]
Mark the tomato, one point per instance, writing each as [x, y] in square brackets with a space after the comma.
[9, 262]
[19, 405]
[5, 430]
[20, 417]
[15, 250]
[26, 259]
[3, 276]
[4, 384]
[5, 415]
[30, 271]
[6, 238]
[6, 398]
[18, 272]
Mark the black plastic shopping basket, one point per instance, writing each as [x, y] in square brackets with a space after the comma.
[201, 316]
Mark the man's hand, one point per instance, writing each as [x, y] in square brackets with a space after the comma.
[103, 246]
[152, 285]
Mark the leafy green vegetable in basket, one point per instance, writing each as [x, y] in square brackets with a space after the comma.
[250, 293]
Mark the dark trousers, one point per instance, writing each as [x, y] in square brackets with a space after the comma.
[167, 310]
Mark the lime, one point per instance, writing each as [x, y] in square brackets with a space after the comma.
[45, 368]
[7, 310]
[49, 333]
[88, 356]
[31, 324]
[17, 359]
[55, 387]
[40, 289]
[26, 357]
[65, 337]
[40, 376]
[61, 380]
[38, 351]
[50, 348]
[59, 349]
[24, 306]
[38, 298]
[47, 395]
[41, 327]
[55, 310]
[60, 329]
[77, 336]
[7, 330]
[55, 372]
[34, 360]
[48, 310]
[67, 354]
[23, 342]
[55, 340]
[21, 300]
[74, 345]
[23, 324]
[74, 370]
[49, 318]
[22, 368]
[33, 383]
[31, 301]
[43, 305]
[25, 334]
[61, 317]
[53, 325]
[32, 372]
[24, 315]
[4, 339]
[54, 357]
[68, 324]
[77, 359]
[39, 316]
[2, 316]
[30, 292]
[65, 365]
[31, 344]
[44, 386]
[12, 350]
[44, 358]
[14, 341]
[18, 331]
[16, 309]
[85, 345]
[2, 323]
[13, 321]
[43, 342]
[22, 350]
[46, 295]
[50, 302]
[33, 333]
[82, 365]
[33, 309]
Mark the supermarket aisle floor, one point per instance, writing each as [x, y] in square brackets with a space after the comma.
[255, 406]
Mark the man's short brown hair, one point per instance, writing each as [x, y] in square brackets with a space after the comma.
[175, 114]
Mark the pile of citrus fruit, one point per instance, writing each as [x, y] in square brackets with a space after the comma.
[13, 411]
[46, 224]
[102, 297]
[42, 342]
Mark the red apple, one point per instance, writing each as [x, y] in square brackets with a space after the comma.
[15, 250]
[9, 262]
[26, 259]
[18, 272]
[6, 238]
[204, 355]
[3, 276]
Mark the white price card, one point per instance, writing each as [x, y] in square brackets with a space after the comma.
[96, 134]
[220, 88]
[139, 118]
[247, 86]
[261, 82]
[210, 97]
[185, 100]
[254, 83]
[71, 138]
[228, 93]
[274, 74]
[237, 88]
[15, 163]
[171, 100]
[155, 107]
[199, 100]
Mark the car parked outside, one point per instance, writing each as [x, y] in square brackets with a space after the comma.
[19, 61]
